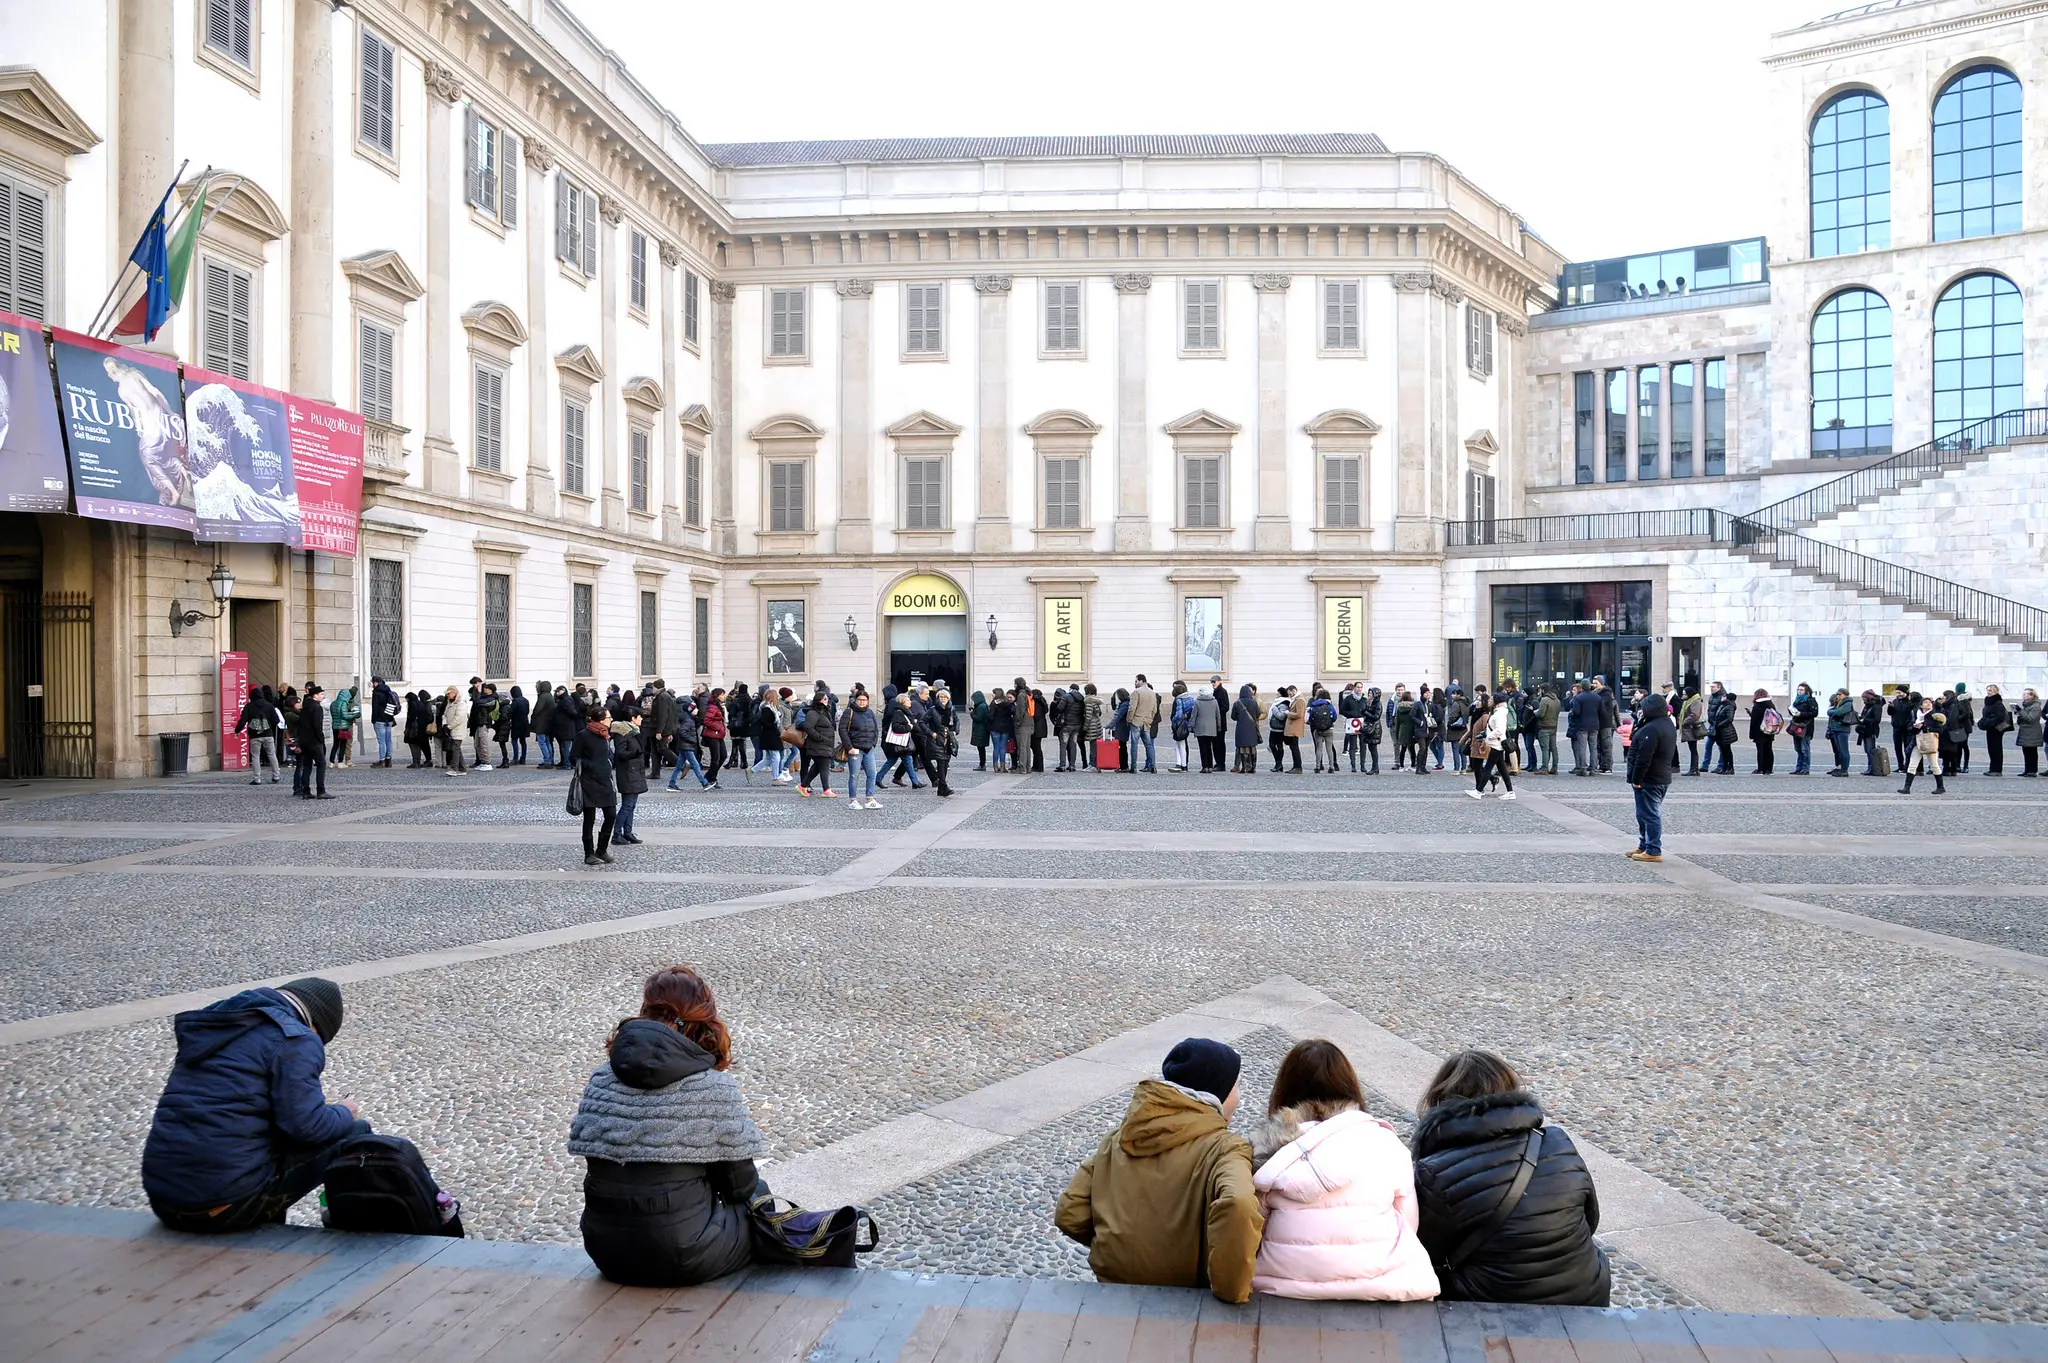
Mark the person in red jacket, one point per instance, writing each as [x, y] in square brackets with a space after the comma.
[714, 731]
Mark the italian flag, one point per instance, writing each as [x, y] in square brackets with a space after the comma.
[135, 326]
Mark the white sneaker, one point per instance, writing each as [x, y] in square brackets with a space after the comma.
[853, 803]
[1475, 795]
[874, 803]
[481, 766]
[451, 771]
[1509, 795]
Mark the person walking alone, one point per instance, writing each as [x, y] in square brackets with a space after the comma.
[1652, 765]
[590, 757]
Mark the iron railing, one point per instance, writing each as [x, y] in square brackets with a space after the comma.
[1687, 523]
[1895, 471]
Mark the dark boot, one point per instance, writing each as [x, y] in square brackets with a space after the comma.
[1907, 789]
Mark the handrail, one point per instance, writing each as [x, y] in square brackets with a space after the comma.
[1824, 499]
[1699, 522]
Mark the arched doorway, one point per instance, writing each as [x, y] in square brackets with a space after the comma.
[925, 619]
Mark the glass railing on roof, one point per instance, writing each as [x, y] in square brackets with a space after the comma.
[1656, 274]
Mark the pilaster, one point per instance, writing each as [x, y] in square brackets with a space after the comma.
[1272, 530]
[540, 387]
[311, 245]
[611, 213]
[725, 534]
[671, 513]
[856, 532]
[1414, 530]
[992, 512]
[147, 110]
[1631, 385]
[1133, 515]
[441, 465]
[1663, 421]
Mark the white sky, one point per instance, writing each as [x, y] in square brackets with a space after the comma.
[1610, 127]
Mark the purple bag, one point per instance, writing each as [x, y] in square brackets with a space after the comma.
[809, 1239]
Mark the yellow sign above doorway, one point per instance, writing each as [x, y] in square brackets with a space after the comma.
[925, 594]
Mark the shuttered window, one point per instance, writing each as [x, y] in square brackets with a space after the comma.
[1340, 491]
[924, 493]
[1340, 314]
[575, 226]
[387, 618]
[690, 283]
[583, 628]
[1478, 341]
[693, 488]
[650, 634]
[786, 494]
[923, 319]
[225, 323]
[374, 345]
[497, 626]
[638, 460]
[492, 168]
[636, 270]
[228, 30]
[702, 635]
[575, 416]
[1202, 492]
[1202, 314]
[490, 418]
[1063, 314]
[1063, 493]
[786, 321]
[377, 95]
[24, 250]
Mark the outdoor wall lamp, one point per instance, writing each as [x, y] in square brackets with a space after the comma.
[222, 583]
[991, 632]
[852, 639]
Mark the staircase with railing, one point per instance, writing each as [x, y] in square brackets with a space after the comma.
[1768, 534]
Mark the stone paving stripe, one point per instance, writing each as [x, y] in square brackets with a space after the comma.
[276, 871]
[1695, 877]
[1273, 841]
[1579, 889]
[1965, 890]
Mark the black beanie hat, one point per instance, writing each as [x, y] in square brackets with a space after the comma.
[1199, 1063]
[322, 1001]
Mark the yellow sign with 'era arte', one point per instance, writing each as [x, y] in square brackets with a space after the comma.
[1344, 635]
[1062, 635]
[925, 594]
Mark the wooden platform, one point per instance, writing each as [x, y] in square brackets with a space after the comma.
[83, 1283]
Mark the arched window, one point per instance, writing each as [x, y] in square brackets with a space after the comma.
[1852, 175]
[1976, 351]
[1852, 376]
[1977, 155]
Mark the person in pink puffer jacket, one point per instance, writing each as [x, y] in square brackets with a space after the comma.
[1338, 1190]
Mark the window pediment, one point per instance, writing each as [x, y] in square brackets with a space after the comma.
[1202, 422]
[1482, 442]
[384, 273]
[787, 427]
[696, 418]
[580, 362]
[643, 391]
[31, 106]
[235, 201]
[1062, 421]
[494, 326]
[923, 424]
[1341, 422]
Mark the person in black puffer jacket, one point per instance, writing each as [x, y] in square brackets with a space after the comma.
[669, 1144]
[1468, 1148]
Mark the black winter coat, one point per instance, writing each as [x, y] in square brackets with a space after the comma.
[591, 757]
[1466, 1154]
[629, 761]
[566, 720]
[1653, 749]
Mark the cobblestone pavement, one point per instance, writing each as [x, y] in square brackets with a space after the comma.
[1870, 1104]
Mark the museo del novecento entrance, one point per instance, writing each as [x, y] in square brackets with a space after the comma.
[1565, 632]
[926, 619]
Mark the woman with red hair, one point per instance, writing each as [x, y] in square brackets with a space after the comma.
[669, 1144]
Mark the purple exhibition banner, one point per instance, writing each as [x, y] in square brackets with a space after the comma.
[32, 474]
[239, 446]
[124, 417]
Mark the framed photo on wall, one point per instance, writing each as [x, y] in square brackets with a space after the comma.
[785, 638]
[1202, 634]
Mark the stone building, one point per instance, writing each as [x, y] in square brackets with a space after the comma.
[1286, 408]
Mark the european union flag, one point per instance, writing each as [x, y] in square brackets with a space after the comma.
[152, 255]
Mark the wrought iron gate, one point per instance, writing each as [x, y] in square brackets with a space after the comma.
[46, 652]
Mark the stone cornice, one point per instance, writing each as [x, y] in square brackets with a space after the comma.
[1272, 283]
[1914, 34]
[992, 283]
[856, 288]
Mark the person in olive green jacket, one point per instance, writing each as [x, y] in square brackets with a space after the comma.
[1170, 1180]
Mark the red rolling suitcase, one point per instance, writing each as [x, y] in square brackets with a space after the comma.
[1108, 756]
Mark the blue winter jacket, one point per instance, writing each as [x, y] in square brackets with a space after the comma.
[246, 1080]
[1583, 714]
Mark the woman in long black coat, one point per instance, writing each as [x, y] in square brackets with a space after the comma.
[419, 713]
[1763, 705]
[590, 755]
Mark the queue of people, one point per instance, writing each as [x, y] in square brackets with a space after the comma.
[1488, 1201]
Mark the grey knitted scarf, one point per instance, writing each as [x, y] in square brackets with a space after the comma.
[698, 1120]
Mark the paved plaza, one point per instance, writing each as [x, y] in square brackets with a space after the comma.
[1806, 1052]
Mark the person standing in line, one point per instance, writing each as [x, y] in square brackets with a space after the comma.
[419, 715]
[1144, 720]
[313, 744]
[977, 728]
[1764, 724]
[1372, 728]
[942, 730]
[1929, 724]
[1244, 718]
[1002, 728]
[629, 772]
[343, 712]
[739, 722]
[1841, 723]
[1805, 716]
[1457, 720]
[1904, 711]
[1868, 724]
[483, 717]
[1438, 707]
[1276, 729]
[1297, 725]
[1180, 722]
[1206, 724]
[1120, 727]
[542, 721]
[1962, 722]
[821, 736]
[1652, 765]
[1401, 719]
[1692, 727]
[452, 720]
[1610, 721]
[383, 714]
[260, 720]
[2027, 731]
[1040, 726]
[1996, 722]
[1582, 728]
[1351, 723]
[590, 757]
[1721, 728]
[1322, 728]
[518, 727]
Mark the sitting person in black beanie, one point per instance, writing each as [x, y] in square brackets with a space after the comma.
[1172, 1180]
[243, 1130]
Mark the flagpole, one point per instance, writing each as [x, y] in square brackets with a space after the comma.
[99, 318]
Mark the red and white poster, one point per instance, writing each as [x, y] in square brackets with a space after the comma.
[327, 463]
[234, 690]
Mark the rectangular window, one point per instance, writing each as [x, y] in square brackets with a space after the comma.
[1582, 427]
[639, 472]
[1479, 340]
[650, 634]
[690, 284]
[636, 270]
[224, 325]
[377, 95]
[1681, 420]
[582, 628]
[228, 29]
[1341, 504]
[1063, 493]
[1715, 399]
[575, 226]
[1617, 425]
[1649, 390]
[575, 417]
[387, 618]
[492, 169]
[24, 250]
[1481, 491]
[1202, 492]
[1063, 314]
[786, 489]
[1340, 315]
[374, 345]
[490, 418]
[786, 322]
[924, 493]
[1458, 657]
[497, 626]
[1201, 314]
[924, 307]
[701, 636]
[693, 487]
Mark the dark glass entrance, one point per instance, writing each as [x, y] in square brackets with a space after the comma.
[928, 648]
[1565, 632]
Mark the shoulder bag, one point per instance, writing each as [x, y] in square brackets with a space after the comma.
[574, 804]
[1488, 1228]
[809, 1239]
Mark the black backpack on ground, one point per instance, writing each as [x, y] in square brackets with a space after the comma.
[380, 1183]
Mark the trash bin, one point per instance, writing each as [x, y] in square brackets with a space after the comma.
[171, 750]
